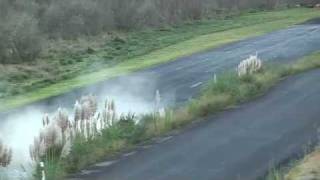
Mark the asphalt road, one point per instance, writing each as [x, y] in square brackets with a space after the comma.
[177, 81]
[240, 144]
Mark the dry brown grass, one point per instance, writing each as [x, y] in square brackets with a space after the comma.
[307, 169]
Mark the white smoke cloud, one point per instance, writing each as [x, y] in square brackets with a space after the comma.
[134, 94]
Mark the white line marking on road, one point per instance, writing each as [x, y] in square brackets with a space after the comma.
[196, 85]
[105, 164]
[130, 154]
[179, 68]
[164, 139]
[88, 172]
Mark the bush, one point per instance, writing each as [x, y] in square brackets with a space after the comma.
[72, 18]
[20, 39]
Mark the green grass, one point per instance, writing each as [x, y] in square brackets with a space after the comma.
[275, 174]
[228, 91]
[306, 166]
[139, 50]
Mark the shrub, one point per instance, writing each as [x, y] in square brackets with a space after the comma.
[25, 25]
[20, 39]
[72, 18]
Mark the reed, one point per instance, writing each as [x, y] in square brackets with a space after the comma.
[249, 66]
[5, 155]
[62, 133]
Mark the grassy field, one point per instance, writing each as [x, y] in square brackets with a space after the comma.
[132, 51]
[227, 91]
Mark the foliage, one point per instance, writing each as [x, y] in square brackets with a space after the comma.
[68, 144]
[20, 39]
[307, 168]
[28, 24]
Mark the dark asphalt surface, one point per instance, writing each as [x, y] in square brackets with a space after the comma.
[226, 156]
[240, 144]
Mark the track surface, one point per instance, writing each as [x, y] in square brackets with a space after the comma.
[240, 134]
[241, 144]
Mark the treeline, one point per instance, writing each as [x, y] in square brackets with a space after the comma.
[25, 25]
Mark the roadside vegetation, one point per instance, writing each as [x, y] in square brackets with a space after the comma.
[28, 75]
[5, 155]
[68, 144]
[306, 168]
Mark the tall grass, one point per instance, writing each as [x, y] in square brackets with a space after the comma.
[305, 167]
[69, 143]
[5, 159]
[249, 66]
[5, 155]
[275, 174]
[92, 134]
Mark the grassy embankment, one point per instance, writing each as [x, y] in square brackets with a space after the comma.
[133, 51]
[228, 91]
[307, 168]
